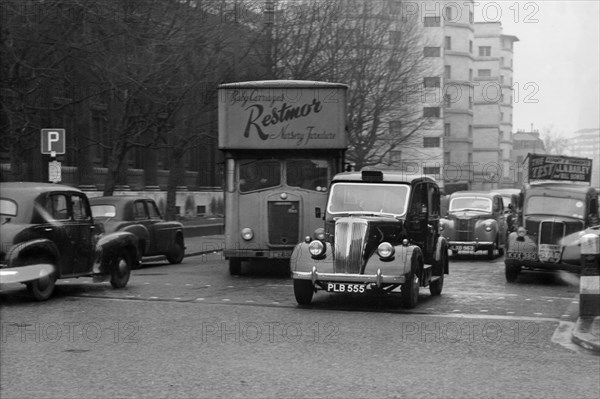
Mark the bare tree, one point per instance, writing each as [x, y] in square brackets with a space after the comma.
[371, 48]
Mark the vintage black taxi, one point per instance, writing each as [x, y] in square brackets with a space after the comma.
[380, 236]
[140, 215]
[48, 233]
[475, 221]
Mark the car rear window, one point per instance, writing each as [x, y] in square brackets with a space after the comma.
[106, 211]
[8, 207]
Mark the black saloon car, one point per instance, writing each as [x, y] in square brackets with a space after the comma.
[48, 233]
[140, 215]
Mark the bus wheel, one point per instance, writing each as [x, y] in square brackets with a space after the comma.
[235, 266]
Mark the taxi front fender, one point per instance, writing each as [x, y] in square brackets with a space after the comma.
[303, 261]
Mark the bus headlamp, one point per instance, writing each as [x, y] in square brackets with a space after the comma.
[247, 234]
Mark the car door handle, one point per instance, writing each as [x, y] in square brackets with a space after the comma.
[48, 229]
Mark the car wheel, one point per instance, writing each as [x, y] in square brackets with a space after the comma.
[435, 288]
[177, 253]
[511, 272]
[303, 291]
[121, 270]
[410, 290]
[235, 266]
[42, 288]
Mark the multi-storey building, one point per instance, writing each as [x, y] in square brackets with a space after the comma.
[493, 105]
[470, 64]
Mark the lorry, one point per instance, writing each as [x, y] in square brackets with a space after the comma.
[282, 141]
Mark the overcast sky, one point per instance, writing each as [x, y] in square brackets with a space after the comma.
[556, 61]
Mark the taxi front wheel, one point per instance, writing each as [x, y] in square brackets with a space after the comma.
[303, 291]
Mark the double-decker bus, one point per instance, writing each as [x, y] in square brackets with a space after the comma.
[283, 140]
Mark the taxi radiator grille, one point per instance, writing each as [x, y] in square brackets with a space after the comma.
[349, 244]
[465, 229]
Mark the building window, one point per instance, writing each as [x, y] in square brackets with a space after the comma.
[485, 51]
[501, 61]
[501, 135]
[484, 73]
[470, 131]
[448, 43]
[395, 128]
[501, 116]
[431, 51]
[471, 46]
[447, 130]
[431, 142]
[447, 72]
[431, 112]
[433, 81]
[395, 37]
[501, 79]
[431, 170]
[431, 22]
[470, 102]
[470, 74]
[471, 17]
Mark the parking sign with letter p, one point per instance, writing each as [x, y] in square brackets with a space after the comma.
[53, 141]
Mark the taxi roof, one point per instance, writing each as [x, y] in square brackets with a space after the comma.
[381, 176]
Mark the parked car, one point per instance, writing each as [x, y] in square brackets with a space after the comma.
[380, 236]
[140, 215]
[475, 222]
[48, 233]
[553, 217]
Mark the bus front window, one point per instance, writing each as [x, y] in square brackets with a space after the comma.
[259, 174]
[310, 174]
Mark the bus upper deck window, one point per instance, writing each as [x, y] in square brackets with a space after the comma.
[259, 174]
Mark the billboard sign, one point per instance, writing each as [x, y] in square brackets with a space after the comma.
[282, 115]
[559, 167]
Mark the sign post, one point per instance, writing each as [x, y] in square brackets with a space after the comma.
[53, 143]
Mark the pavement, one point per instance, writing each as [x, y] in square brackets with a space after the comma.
[200, 245]
[586, 333]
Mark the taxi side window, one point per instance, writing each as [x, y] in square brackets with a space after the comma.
[419, 201]
[498, 205]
